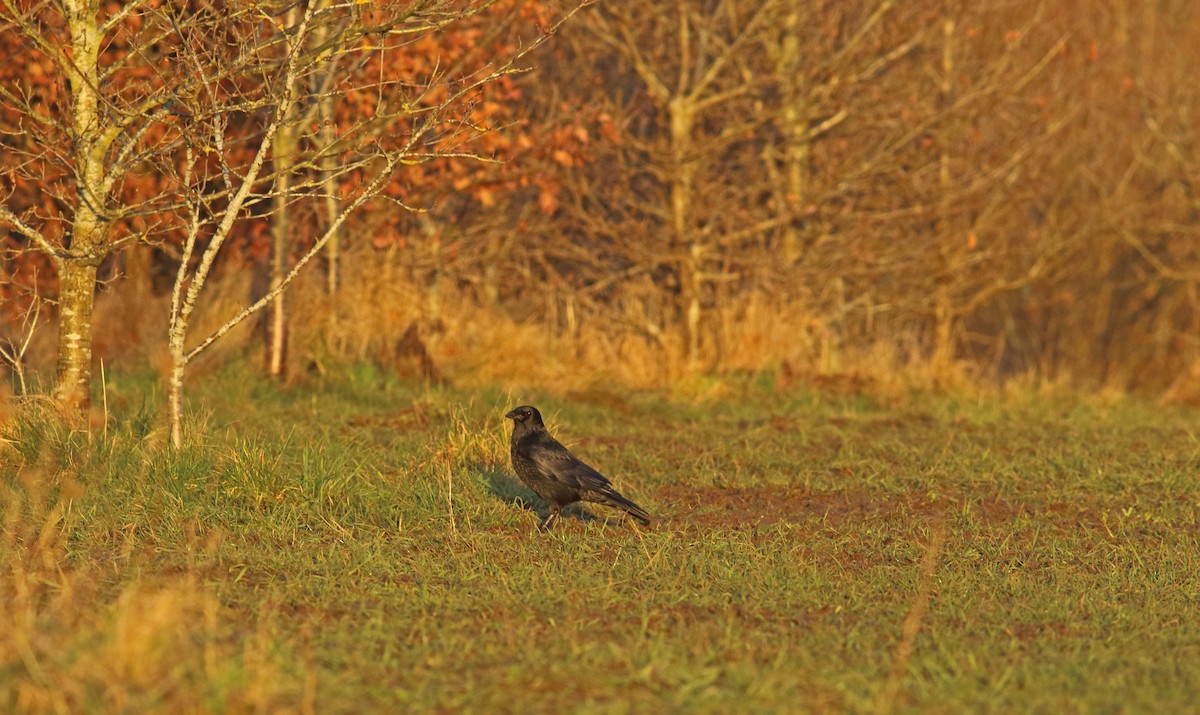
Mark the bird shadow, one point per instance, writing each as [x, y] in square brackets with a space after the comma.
[511, 491]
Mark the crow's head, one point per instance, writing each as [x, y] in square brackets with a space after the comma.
[525, 415]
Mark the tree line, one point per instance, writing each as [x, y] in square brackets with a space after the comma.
[725, 184]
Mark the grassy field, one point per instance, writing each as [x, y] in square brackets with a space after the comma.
[357, 544]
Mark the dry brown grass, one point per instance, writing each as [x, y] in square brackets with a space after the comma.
[75, 633]
[518, 343]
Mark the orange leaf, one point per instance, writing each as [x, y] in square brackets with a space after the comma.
[562, 157]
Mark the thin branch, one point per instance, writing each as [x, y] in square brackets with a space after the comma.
[56, 253]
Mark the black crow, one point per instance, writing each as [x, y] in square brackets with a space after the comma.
[556, 475]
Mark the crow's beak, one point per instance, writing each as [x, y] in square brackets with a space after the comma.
[512, 415]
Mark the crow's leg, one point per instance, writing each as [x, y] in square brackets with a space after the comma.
[550, 519]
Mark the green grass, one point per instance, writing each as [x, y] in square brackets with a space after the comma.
[356, 544]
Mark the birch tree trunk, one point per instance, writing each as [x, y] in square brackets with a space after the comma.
[333, 249]
[688, 250]
[280, 237]
[282, 156]
[76, 293]
[326, 137]
[77, 265]
[945, 315]
[327, 165]
[795, 119]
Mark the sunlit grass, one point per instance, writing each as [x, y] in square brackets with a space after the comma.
[356, 544]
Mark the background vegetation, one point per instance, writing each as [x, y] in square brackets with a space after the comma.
[1004, 189]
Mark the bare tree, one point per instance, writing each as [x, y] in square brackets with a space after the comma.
[820, 57]
[931, 196]
[156, 123]
[1144, 270]
[691, 61]
[75, 144]
[412, 120]
[90, 130]
[722, 106]
[971, 194]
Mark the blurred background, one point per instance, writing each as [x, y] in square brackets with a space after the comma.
[812, 189]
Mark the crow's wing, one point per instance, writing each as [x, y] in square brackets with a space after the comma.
[556, 462]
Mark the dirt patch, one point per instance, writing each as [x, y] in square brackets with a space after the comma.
[762, 506]
[1051, 630]
[749, 507]
[416, 416]
[992, 509]
[601, 398]
[601, 441]
[900, 421]
[688, 614]
[995, 510]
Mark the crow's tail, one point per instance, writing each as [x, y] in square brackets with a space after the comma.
[612, 498]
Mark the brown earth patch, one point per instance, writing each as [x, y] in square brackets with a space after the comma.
[415, 416]
[993, 509]
[748, 507]
[601, 398]
[736, 507]
[598, 441]
[686, 614]
[1026, 632]
[894, 421]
